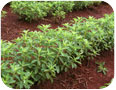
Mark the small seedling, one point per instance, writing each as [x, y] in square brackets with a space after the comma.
[101, 67]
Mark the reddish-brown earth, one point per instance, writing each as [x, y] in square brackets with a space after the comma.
[82, 77]
[12, 27]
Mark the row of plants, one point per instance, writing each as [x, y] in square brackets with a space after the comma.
[37, 56]
[34, 10]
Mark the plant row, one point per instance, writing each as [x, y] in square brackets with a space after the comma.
[34, 10]
[37, 56]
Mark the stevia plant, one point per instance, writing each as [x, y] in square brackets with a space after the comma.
[14, 76]
[101, 67]
[35, 10]
[58, 16]
[29, 11]
[84, 4]
[37, 56]
[7, 49]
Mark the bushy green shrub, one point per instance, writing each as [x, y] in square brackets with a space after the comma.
[84, 4]
[37, 56]
[34, 10]
[58, 15]
[67, 6]
[14, 74]
[29, 11]
[59, 10]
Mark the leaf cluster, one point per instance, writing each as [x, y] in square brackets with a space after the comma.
[101, 67]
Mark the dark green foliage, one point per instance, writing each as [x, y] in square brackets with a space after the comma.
[37, 56]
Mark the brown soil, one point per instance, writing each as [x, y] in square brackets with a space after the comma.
[82, 77]
[85, 77]
[12, 27]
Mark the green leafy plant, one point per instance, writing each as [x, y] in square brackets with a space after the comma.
[58, 16]
[37, 56]
[14, 75]
[29, 11]
[101, 67]
[84, 4]
[35, 10]
[3, 13]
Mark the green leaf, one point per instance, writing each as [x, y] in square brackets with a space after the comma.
[48, 76]
[57, 69]
[103, 87]
[34, 61]
[66, 69]
[74, 65]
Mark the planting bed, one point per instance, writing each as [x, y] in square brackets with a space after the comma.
[85, 76]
